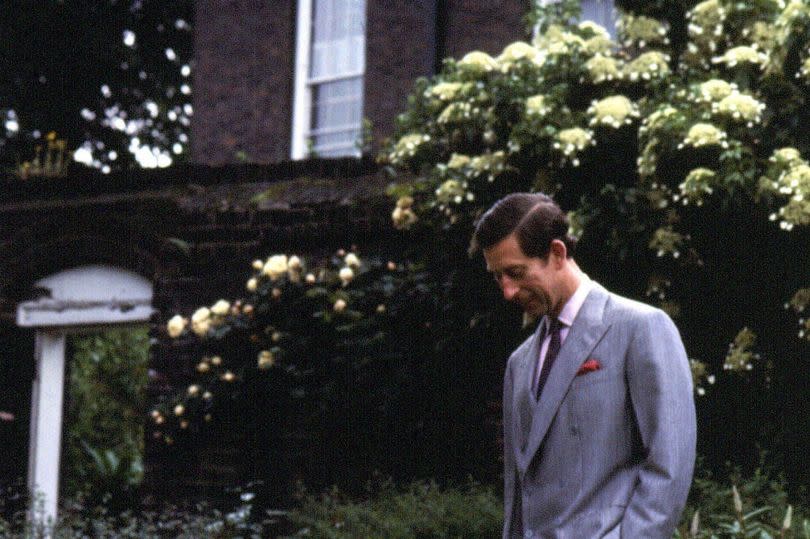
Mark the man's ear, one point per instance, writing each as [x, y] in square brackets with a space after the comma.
[558, 252]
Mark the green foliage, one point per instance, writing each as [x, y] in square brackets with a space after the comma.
[106, 395]
[420, 510]
[755, 506]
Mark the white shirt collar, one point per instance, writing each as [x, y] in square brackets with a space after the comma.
[574, 304]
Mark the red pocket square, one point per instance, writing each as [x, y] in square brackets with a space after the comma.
[589, 366]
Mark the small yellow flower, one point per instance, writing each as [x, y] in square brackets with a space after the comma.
[203, 367]
[216, 361]
[228, 376]
[258, 265]
[179, 410]
[310, 278]
[603, 68]
[193, 390]
[207, 396]
[252, 284]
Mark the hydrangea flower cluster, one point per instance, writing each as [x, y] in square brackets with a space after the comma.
[447, 91]
[648, 66]
[700, 375]
[519, 51]
[557, 41]
[704, 134]
[457, 112]
[804, 70]
[714, 90]
[740, 107]
[453, 192]
[613, 111]
[792, 181]
[740, 358]
[743, 54]
[603, 69]
[407, 146]
[642, 31]
[490, 163]
[572, 141]
[477, 62]
[536, 106]
[666, 241]
[706, 22]
[697, 184]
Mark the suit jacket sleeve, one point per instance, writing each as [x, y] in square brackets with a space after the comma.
[512, 522]
[660, 385]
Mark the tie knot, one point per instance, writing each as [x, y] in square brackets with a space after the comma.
[555, 324]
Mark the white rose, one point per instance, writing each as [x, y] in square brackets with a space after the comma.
[200, 315]
[346, 275]
[276, 266]
[176, 325]
[265, 359]
[294, 263]
[201, 327]
[221, 308]
[252, 284]
[352, 261]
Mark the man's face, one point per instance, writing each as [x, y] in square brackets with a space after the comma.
[530, 282]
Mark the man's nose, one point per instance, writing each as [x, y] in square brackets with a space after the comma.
[509, 289]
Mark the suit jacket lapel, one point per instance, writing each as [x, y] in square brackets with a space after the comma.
[586, 331]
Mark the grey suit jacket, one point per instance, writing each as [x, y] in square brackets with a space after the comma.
[608, 453]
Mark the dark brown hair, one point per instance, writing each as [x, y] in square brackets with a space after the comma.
[534, 218]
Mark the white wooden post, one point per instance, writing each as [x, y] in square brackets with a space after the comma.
[81, 299]
[46, 425]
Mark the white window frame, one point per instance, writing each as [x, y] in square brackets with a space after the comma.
[303, 85]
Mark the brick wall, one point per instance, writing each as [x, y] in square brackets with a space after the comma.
[242, 80]
[244, 53]
[486, 25]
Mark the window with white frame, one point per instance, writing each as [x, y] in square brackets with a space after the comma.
[330, 65]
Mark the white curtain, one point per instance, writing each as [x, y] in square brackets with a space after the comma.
[337, 65]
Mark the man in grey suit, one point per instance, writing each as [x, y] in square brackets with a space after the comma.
[598, 411]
